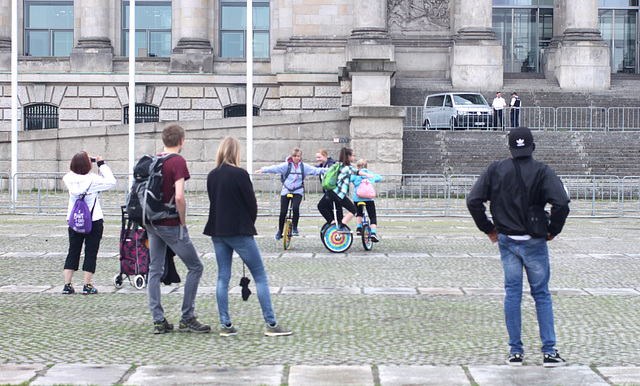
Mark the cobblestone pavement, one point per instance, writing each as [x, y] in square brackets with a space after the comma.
[429, 294]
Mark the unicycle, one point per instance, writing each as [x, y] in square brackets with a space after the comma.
[287, 233]
[333, 240]
[367, 243]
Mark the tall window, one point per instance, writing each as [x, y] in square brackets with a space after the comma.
[153, 28]
[144, 113]
[233, 28]
[40, 116]
[48, 28]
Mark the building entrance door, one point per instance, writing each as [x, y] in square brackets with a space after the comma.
[524, 33]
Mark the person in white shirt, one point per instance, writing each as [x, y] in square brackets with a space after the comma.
[515, 110]
[498, 107]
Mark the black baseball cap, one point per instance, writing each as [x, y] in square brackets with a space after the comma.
[520, 142]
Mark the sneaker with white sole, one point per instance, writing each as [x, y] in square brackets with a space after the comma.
[276, 330]
[515, 359]
[374, 237]
[553, 360]
[228, 330]
[278, 235]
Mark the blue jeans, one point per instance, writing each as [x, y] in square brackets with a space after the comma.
[247, 248]
[533, 256]
[159, 238]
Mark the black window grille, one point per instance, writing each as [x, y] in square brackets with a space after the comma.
[40, 116]
[239, 111]
[144, 113]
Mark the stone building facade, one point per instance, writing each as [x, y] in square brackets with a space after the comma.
[309, 55]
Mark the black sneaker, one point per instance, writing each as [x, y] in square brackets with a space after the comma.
[295, 232]
[374, 237]
[515, 359]
[68, 289]
[228, 330]
[162, 327]
[359, 231]
[553, 360]
[88, 289]
[192, 325]
[344, 229]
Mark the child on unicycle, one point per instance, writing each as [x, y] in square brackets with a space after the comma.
[369, 203]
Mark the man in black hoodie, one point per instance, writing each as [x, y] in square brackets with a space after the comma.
[513, 186]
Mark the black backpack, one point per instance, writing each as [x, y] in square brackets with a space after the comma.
[145, 203]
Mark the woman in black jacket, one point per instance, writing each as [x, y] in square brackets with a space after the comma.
[232, 214]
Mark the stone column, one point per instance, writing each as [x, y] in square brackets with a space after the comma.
[370, 67]
[549, 59]
[93, 52]
[5, 35]
[583, 57]
[193, 52]
[477, 52]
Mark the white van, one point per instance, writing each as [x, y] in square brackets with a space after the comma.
[456, 110]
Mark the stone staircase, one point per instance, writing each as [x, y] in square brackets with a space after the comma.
[568, 153]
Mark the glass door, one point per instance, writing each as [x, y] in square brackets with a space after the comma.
[619, 28]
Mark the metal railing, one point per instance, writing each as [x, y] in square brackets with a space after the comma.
[397, 195]
[554, 119]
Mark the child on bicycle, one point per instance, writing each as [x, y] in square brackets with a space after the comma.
[293, 172]
[369, 203]
[339, 195]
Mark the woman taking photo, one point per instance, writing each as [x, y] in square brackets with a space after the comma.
[80, 182]
[232, 214]
[293, 172]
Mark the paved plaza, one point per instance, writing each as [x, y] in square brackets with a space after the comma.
[424, 307]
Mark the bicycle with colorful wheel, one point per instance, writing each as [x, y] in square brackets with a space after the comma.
[365, 229]
[287, 232]
[333, 240]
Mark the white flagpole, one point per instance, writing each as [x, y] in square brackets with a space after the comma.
[249, 99]
[132, 88]
[14, 103]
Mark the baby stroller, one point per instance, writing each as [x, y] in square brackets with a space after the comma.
[134, 254]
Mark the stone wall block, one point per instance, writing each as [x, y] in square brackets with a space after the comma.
[91, 115]
[123, 95]
[271, 104]
[191, 92]
[210, 92]
[172, 92]
[259, 95]
[105, 103]
[23, 96]
[291, 103]
[238, 95]
[72, 91]
[327, 91]
[321, 103]
[213, 114]
[68, 114]
[109, 91]
[168, 115]
[273, 92]
[205, 104]
[141, 94]
[6, 103]
[190, 115]
[76, 103]
[90, 91]
[175, 103]
[158, 95]
[296, 91]
[113, 115]
[223, 95]
[48, 93]
[57, 95]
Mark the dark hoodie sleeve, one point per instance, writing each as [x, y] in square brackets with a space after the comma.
[481, 193]
[556, 195]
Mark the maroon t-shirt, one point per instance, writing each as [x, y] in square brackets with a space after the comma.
[173, 169]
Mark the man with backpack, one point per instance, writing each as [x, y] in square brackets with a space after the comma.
[293, 172]
[172, 232]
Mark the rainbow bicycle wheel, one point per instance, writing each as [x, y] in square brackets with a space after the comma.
[286, 235]
[367, 243]
[334, 241]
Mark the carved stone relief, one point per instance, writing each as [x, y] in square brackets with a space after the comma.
[410, 16]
